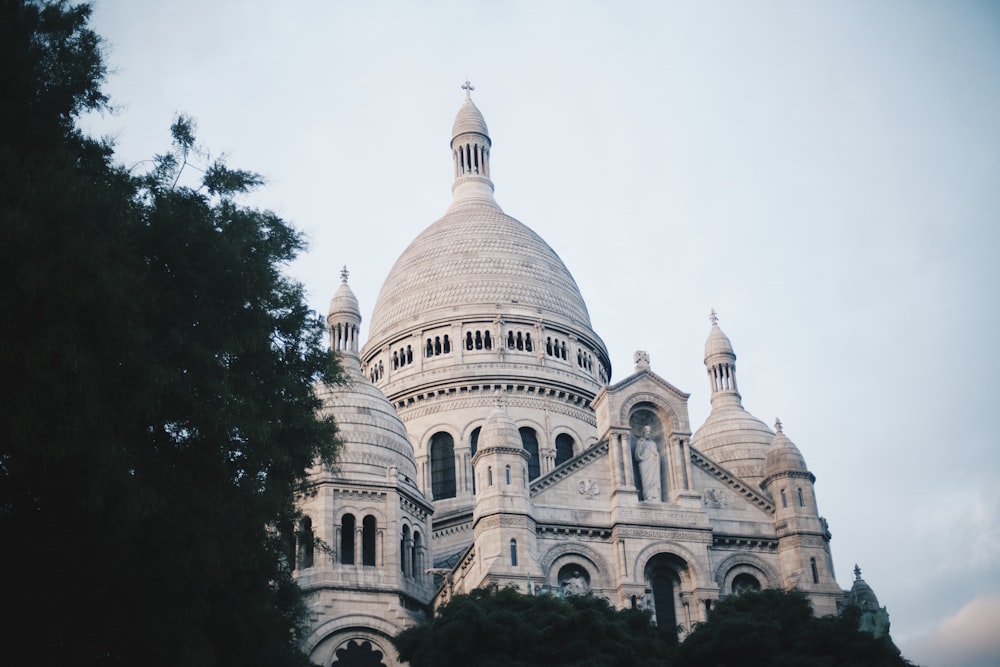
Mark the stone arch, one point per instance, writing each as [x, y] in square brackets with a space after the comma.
[693, 576]
[322, 643]
[740, 563]
[666, 408]
[562, 554]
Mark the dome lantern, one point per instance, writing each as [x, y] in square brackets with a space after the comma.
[470, 151]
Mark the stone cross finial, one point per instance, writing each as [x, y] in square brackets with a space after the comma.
[344, 274]
[857, 571]
[468, 88]
[714, 318]
[777, 425]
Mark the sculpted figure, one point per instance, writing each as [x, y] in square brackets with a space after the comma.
[575, 584]
[648, 459]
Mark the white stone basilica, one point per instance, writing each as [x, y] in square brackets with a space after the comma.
[485, 444]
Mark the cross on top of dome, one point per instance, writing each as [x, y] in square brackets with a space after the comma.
[468, 88]
[344, 274]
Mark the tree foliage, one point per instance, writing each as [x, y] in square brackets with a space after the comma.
[488, 628]
[157, 369]
[774, 628]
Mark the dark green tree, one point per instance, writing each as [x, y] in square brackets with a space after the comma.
[488, 628]
[157, 371]
[774, 628]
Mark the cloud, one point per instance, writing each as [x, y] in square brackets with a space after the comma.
[970, 638]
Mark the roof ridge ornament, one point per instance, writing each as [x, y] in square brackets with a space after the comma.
[468, 88]
[343, 274]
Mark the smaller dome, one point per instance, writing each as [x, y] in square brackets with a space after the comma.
[499, 431]
[344, 302]
[469, 119]
[862, 594]
[718, 342]
[783, 455]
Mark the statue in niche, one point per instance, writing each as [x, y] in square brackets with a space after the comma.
[575, 584]
[648, 458]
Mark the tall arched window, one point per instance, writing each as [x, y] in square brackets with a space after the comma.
[442, 466]
[802, 501]
[564, 448]
[306, 542]
[784, 499]
[347, 539]
[530, 443]
[815, 570]
[368, 527]
[508, 475]
[513, 553]
[473, 448]
[404, 546]
[418, 543]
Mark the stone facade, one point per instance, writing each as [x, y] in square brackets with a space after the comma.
[485, 445]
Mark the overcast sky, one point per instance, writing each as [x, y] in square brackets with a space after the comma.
[825, 174]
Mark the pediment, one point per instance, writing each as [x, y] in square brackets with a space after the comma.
[647, 380]
[742, 488]
[572, 469]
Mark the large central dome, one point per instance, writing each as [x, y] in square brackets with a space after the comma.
[477, 258]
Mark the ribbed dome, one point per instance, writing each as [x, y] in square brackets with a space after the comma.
[469, 119]
[372, 434]
[499, 431]
[718, 343]
[862, 594]
[735, 439]
[344, 302]
[783, 456]
[470, 261]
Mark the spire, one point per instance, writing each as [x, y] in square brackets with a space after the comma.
[344, 319]
[720, 360]
[470, 151]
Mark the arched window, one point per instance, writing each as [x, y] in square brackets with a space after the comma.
[520, 341]
[404, 545]
[784, 499]
[447, 344]
[513, 553]
[437, 344]
[802, 502]
[489, 475]
[306, 542]
[508, 475]
[429, 349]
[409, 354]
[487, 342]
[368, 540]
[415, 564]
[530, 443]
[468, 340]
[510, 340]
[347, 539]
[473, 448]
[564, 448]
[527, 342]
[479, 340]
[548, 345]
[815, 570]
[442, 466]
[395, 360]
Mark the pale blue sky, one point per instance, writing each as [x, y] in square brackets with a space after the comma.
[825, 174]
